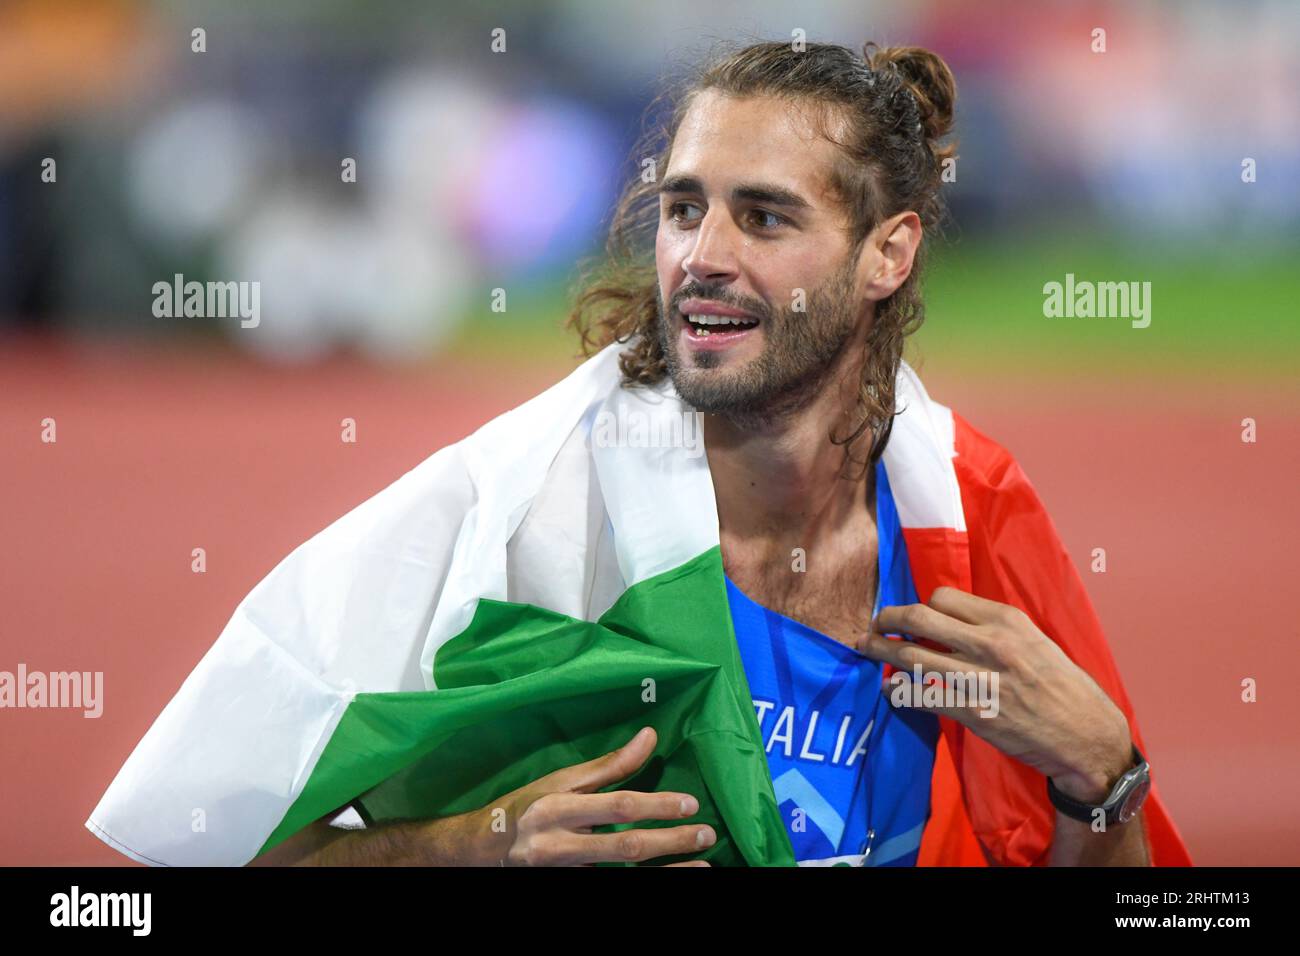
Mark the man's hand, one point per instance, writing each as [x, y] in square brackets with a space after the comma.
[546, 823]
[1050, 714]
[549, 822]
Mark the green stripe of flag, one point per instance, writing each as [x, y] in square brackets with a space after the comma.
[524, 691]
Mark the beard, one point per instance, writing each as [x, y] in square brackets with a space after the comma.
[799, 352]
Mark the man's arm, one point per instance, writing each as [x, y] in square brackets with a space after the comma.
[1075, 844]
[443, 842]
[1017, 558]
[1044, 709]
[548, 822]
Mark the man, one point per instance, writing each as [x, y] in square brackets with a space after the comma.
[459, 664]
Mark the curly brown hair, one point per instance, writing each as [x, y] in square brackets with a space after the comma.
[892, 104]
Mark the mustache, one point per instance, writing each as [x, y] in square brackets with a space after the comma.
[717, 293]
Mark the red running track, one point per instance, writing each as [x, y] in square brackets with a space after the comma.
[160, 452]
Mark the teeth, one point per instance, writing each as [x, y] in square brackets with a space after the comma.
[717, 320]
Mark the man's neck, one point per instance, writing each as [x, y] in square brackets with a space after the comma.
[788, 482]
[785, 479]
[788, 501]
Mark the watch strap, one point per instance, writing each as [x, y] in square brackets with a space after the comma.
[1085, 812]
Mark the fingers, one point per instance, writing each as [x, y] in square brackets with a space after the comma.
[561, 848]
[918, 620]
[905, 655]
[970, 608]
[561, 809]
[902, 694]
[575, 810]
[614, 766]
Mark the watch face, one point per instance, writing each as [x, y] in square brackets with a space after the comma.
[1133, 803]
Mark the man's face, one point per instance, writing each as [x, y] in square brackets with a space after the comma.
[752, 247]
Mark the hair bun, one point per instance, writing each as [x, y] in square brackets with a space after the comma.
[930, 81]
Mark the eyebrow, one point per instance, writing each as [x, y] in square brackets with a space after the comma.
[753, 192]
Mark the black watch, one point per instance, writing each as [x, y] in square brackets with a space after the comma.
[1123, 803]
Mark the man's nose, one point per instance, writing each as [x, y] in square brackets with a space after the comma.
[714, 256]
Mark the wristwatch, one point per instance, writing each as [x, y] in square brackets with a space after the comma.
[1123, 803]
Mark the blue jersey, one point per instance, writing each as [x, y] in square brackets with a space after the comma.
[851, 772]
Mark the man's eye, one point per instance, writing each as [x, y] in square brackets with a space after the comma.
[678, 210]
[764, 219]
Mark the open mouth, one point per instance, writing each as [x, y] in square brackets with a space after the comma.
[702, 326]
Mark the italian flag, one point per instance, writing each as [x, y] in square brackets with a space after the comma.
[529, 598]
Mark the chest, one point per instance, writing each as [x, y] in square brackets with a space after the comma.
[830, 586]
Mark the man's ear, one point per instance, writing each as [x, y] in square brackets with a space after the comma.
[889, 252]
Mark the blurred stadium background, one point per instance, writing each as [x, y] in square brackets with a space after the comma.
[479, 171]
